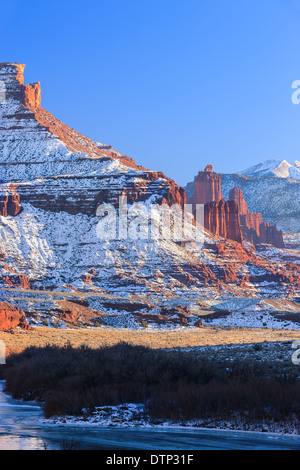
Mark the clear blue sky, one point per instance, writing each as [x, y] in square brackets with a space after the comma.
[175, 84]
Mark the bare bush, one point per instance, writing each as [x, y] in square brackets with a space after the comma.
[173, 385]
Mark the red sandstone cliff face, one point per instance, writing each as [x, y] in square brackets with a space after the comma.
[74, 141]
[220, 217]
[225, 262]
[207, 187]
[21, 281]
[253, 227]
[10, 202]
[32, 96]
[56, 196]
[11, 317]
[232, 219]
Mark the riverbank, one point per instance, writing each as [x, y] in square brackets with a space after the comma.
[126, 385]
[131, 415]
[21, 428]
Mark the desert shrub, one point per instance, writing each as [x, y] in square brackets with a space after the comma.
[173, 385]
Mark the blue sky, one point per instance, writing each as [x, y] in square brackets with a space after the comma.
[174, 84]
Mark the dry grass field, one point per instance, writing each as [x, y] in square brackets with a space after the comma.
[156, 339]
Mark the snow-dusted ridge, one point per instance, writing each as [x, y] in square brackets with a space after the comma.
[271, 168]
[61, 177]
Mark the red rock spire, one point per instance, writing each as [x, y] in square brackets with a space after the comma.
[207, 187]
[220, 217]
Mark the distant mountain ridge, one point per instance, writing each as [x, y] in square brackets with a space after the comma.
[277, 168]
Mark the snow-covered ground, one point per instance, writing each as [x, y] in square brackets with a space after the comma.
[134, 415]
[255, 313]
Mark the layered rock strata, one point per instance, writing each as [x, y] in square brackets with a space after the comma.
[52, 181]
[56, 168]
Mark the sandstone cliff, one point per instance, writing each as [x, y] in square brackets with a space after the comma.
[207, 187]
[220, 217]
[229, 220]
[52, 179]
[277, 199]
[57, 168]
[253, 227]
[10, 201]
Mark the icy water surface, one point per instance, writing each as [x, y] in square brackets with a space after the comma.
[21, 429]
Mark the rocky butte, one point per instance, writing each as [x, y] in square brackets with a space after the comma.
[53, 264]
[220, 217]
[40, 147]
[231, 219]
[253, 227]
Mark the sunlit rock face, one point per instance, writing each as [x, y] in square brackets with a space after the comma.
[61, 167]
[10, 201]
[220, 217]
[53, 179]
[12, 317]
[207, 187]
[230, 219]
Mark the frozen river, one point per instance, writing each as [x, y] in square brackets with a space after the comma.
[22, 429]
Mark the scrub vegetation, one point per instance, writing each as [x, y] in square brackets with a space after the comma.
[173, 385]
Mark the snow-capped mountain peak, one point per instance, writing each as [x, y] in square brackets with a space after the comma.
[274, 168]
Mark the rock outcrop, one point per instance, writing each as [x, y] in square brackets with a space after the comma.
[207, 187]
[253, 227]
[220, 217]
[277, 199]
[10, 201]
[21, 281]
[32, 96]
[231, 219]
[12, 317]
[55, 168]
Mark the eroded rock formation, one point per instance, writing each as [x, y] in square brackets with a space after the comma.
[253, 227]
[220, 217]
[55, 168]
[207, 187]
[21, 281]
[231, 219]
[10, 201]
[60, 177]
[12, 317]
[32, 96]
